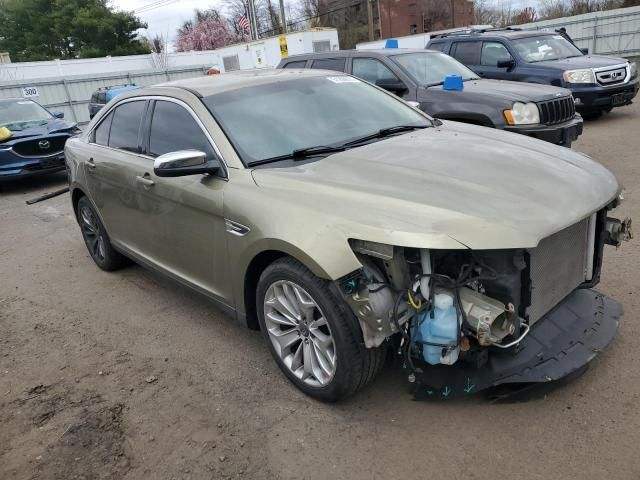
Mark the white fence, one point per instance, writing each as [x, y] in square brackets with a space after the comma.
[72, 95]
[614, 32]
[67, 85]
[261, 53]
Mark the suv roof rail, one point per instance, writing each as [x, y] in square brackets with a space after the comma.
[475, 31]
[109, 87]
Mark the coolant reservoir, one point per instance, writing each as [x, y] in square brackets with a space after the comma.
[441, 329]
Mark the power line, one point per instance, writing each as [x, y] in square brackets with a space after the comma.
[304, 19]
[153, 6]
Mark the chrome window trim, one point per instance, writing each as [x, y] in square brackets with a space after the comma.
[184, 105]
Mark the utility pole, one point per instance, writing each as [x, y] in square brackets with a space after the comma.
[379, 19]
[253, 25]
[370, 18]
[282, 18]
[453, 15]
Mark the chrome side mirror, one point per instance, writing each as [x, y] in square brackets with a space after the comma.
[183, 163]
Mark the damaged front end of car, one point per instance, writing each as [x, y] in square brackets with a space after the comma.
[467, 320]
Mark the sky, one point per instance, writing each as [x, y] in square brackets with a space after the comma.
[164, 16]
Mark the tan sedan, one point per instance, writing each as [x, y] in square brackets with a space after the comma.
[344, 223]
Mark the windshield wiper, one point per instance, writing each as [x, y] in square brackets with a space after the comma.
[301, 154]
[385, 132]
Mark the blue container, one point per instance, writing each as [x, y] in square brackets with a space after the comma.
[391, 43]
[441, 329]
[453, 82]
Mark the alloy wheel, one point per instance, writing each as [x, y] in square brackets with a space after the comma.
[300, 333]
[92, 233]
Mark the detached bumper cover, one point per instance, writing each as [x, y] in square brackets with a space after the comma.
[562, 342]
[560, 134]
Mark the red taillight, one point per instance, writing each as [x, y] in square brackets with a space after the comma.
[213, 71]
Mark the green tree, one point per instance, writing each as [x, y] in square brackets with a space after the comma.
[50, 29]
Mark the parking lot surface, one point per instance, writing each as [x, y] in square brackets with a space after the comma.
[127, 375]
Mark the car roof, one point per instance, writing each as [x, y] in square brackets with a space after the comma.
[384, 52]
[212, 84]
[511, 34]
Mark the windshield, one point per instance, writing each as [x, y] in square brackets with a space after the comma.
[22, 114]
[431, 68]
[545, 47]
[275, 119]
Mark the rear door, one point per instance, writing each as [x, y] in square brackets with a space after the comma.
[468, 52]
[115, 162]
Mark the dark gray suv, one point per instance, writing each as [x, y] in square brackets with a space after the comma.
[539, 111]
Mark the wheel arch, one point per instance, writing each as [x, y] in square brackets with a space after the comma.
[260, 260]
[76, 194]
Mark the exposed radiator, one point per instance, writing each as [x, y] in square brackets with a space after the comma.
[558, 265]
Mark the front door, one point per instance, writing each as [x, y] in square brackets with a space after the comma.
[184, 230]
[490, 54]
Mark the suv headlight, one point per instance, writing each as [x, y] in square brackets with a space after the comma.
[522, 114]
[579, 76]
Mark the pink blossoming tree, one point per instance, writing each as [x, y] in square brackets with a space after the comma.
[207, 31]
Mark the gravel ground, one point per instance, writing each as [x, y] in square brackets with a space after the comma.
[126, 375]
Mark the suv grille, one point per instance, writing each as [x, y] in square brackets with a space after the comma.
[558, 266]
[557, 110]
[33, 148]
[612, 76]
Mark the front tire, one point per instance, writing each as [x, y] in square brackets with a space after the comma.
[315, 339]
[96, 238]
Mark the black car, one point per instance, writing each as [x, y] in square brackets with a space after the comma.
[31, 139]
[598, 83]
[540, 111]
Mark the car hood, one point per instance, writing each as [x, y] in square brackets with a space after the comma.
[510, 91]
[457, 184]
[585, 61]
[49, 128]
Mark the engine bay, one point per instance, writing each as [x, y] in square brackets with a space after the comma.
[441, 309]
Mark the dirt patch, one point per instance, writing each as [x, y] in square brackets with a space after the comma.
[90, 446]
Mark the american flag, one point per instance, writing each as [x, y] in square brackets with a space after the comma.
[243, 21]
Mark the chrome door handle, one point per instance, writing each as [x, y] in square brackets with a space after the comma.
[145, 180]
[91, 164]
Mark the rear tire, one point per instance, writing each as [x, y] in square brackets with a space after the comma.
[317, 342]
[96, 238]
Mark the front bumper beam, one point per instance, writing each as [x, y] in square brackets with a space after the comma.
[561, 343]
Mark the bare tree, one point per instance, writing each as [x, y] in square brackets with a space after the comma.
[566, 8]
[488, 12]
[436, 14]
[526, 15]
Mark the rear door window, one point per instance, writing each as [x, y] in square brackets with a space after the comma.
[329, 64]
[173, 128]
[441, 47]
[372, 70]
[125, 127]
[467, 52]
[297, 64]
[101, 133]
